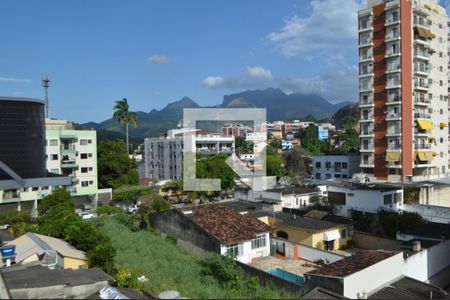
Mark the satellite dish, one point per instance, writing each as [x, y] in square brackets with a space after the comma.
[50, 259]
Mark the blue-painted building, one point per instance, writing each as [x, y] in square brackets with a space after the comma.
[322, 133]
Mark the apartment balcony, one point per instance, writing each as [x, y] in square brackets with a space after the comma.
[421, 101]
[393, 132]
[393, 116]
[369, 73]
[391, 53]
[421, 41]
[421, 69]
[421, 133]
[392, 37]
[366, 88]
[365, 58]
[367, 133]
[367, 118]
[394, 147]
[366, 103]
[393, 69]
[425, 164]
[392, 21]
[420, 115]
[394, 100]
[365, 28]
[396, 84]
[422, 54]
[420, 11]
[365, 43]
[421, 86]
[368, 163]
[68, 149]
[368, 149]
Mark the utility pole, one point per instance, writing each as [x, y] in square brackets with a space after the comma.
[45, 84]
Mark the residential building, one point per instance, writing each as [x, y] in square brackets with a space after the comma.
[73, 152]
[360, 275]
[285, 196]
[164, 156]
[408, 288]
[318, 229]
[322, 133]
[236, 130]
[335, 166]
[366, 198]
[24, 179]
[403, 89]
[216, 228]
[32, 247]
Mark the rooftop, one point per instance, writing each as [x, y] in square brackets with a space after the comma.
[367, 186]
[316, 220]
[224, 223]
[321, 293]
[20, 276]
[408, 288]
[22, 99]
[286, 190]
[430, 230]
[352, 264]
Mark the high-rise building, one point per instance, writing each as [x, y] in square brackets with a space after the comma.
[403, 89]
[71, 152]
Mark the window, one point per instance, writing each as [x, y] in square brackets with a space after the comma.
[84, 170]
[328, 165]
[387, 199]
[336, 198]
[89, 141]
[90, 169]
[85, 183]
[83, 155]
[397, 197]
[54, 157]
[344, 165]
[350, 194]
[53, 142]
[327, 176]
[350, 230]
[234, 251]
[35, 188]
[260, 241]
[344, 234]
[83, 142]
[318, 165]
[318, 176]
[91, 182]
[90, 154]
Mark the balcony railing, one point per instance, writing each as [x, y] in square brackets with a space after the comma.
[393, 115]
[391, 20]
[392, 36]
[422, 100]
[422, 68]
[421, 85]
[366, 26]
[395, 98]
[367, 117]
[422, 146]
[421, 53]
[393, 84]
[365, 57]
[419, 115]
[393, 68]
[366, 88]
[394, 147]
[394, 131]
[421, 22]
[365, 42]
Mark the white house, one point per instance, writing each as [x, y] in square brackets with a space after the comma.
[366, 198]
[335, 166]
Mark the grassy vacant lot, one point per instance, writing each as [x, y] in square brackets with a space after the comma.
[169, 267]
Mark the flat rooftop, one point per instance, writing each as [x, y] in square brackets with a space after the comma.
[22, 99]
[381, 187]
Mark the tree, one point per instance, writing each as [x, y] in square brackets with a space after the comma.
[243, 146]
[56, 198]
[297, 161]
[216, 167]
[124, 117]
[115, 168]
[153, 203]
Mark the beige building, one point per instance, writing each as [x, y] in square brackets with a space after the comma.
[403, 66]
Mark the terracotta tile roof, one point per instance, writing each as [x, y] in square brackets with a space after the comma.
[224, 223]
[357, 262]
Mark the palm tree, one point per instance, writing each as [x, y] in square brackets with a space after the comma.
[124, 117]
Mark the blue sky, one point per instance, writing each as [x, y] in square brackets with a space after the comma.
[155, 52]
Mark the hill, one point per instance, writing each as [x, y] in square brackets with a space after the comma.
[351, 110]
[155, 122]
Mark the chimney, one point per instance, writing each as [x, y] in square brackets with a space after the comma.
[416, 246]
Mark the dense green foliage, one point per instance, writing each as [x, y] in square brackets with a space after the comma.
[20, 222]
[297, 161]
[215, 167]
[108, 210]
[169, 267]
[243, 146]
[131, 192]
[115, 168]
[153, 203]
[392, 221]
[58, 219]
[411, 194]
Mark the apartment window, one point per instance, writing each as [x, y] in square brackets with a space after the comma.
[83, 142]
[441, 83]
[84, 170]
[85, 183]
[44, 188]
[387, 199]
[260, 240]
[441, 68]
[90, 154]
[35, 188]
[91, 182]
[397, 197]
[89, 141]
[441, 54]
[441, 140]
[441, 154]
[234, 251]
[318, 176]
[90, 169]
[54, 156]
[328, 165]
[327, 176]
[318, 165]
[344, 233]
[53, 142]
[83, 155]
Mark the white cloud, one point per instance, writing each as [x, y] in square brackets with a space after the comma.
[331, 26]
[212, 81]
[259, 72]
[158, 59]
[9, 79]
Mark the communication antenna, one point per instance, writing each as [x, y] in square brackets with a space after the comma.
[45, 84]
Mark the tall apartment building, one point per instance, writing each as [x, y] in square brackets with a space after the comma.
[71, 152]
[403, 90]
[164, 156]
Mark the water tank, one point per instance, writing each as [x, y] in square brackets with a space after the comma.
[22, 136]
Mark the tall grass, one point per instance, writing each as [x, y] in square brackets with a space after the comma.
[170, 267]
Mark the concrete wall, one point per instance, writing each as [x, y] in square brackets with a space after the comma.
[372, 242]
[248, 253]
[428, 262]
[314, 254]
[371, 278]
[435, 195]
[74, 263]
[58, 291]
[174, 223]
[438, 214]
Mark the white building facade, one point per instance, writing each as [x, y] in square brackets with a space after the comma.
[334, 166]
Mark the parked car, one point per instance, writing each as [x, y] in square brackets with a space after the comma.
[86, 216]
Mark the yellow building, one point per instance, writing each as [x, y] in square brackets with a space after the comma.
[316, 228]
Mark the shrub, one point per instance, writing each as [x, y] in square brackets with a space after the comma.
[102, 256]
[13, 216]
[224, 270]
[132, 221]
[127, 279]
[170, 238]
[108, 210]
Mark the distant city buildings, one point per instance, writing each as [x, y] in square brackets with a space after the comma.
[164, 156]
[403, 85]
[236, 130]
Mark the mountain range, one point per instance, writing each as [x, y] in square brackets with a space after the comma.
[279, 105]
